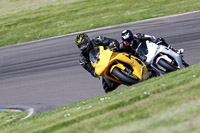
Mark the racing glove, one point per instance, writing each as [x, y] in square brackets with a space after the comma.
[161, 41]
[114, 46]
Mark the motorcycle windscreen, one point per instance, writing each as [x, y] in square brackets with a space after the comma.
[142, 49]
[100, 59]
[94, 54]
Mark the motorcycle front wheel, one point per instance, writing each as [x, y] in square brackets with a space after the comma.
[169, 67]
[124, 77]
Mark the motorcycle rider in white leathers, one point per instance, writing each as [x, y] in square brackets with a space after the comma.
[132, 41]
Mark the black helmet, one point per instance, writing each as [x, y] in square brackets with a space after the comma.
[83, 42]
[127, 37]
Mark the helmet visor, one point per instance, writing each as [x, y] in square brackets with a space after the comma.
[84, 45]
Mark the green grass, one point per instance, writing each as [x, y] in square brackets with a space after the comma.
[26, 20]
[170, 103]
[7, 117]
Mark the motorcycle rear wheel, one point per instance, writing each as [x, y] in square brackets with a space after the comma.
[186, 64]
[124, 77]
[169, 67]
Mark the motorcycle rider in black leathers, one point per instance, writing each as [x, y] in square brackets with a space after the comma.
[131, 42]
[86, 45]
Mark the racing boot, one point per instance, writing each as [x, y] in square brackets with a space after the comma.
[109, 85]
[180, 51]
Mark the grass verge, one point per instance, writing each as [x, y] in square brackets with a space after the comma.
[170, 103]
[27, 20]
[8, 117]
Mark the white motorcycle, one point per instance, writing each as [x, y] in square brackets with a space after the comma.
[160, 57]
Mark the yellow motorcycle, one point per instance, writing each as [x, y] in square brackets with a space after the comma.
[119, 67]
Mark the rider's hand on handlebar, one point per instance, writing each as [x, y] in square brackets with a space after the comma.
[113, 46]
[158, 41]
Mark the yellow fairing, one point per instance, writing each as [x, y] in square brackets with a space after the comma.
[107, 57]
[140, 70]
[104, 60]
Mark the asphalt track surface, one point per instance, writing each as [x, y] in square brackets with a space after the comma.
[46, 74]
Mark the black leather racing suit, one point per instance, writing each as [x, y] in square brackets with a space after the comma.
[108, 85]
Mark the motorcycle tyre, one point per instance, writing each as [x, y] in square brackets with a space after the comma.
[167, 65]
[123, 77]
[185, 64]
